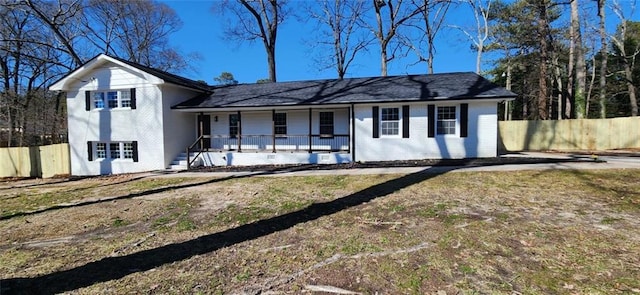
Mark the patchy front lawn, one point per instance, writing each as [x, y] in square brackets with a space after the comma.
[532, 232]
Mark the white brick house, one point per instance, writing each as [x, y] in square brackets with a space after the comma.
[124, 117]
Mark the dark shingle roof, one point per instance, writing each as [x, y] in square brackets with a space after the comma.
[353, 90]
[166, 76]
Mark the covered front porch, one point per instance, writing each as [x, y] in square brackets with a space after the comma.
[275, 136]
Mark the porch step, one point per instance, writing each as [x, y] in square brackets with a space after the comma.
[180, 162]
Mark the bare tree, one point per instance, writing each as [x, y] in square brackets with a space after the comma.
[60, 17]
[390, 17]
[628, 55]
[42, 40]
[431, 20]
[137, 31]
[339, 30]
[255, 20]
[481, 30]
[26, 55]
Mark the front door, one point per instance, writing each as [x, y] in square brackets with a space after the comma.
[204, 129]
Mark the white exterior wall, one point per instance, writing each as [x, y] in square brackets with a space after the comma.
[179, 128]
[481, 140]
[483, 125]
[145, 124]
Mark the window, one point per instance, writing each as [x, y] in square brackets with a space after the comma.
[112, 99]
[125, 99]
[127, 148]
[233, 125]
[390, 121]
[115, 150]
[98, 100]
[101, 150]
[280, 124]
[446, 120]
[326, 124]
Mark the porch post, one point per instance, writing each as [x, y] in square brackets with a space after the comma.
[201, 130]
[352, 135]
[273, 129]
[310, 138]
[239, 132]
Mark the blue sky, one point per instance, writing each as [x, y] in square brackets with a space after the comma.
[202, 33]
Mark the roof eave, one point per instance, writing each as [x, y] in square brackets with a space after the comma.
[337, 104]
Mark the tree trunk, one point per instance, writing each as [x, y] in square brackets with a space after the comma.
[383, 62]
[479, 57]
[566, 110]
[558, 78]
[271, 61]
[603, 64]
[383, 41]
[544, 56]
[631, 88]
[578, 110]
[507, 109]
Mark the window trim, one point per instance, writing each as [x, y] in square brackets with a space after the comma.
[398, 122]
[100, 151]
[455, 120]
[103, 151]
[106, 101]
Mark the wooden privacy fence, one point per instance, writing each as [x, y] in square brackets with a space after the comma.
[35, 161]
[569, 135]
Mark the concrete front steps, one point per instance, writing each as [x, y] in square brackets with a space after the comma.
[180, 162]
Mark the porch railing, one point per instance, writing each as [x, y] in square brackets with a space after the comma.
[297, 143]
[197, 146]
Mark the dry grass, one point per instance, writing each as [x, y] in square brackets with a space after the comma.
[532, 232]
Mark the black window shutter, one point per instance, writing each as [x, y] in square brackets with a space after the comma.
[87, 101]
[89, 151]
[431, 114]
[134, 146]
[464, 119]
[133, 98]
[376, 122]
[405, 121]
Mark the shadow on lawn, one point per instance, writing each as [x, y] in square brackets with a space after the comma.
[112, 268]
[249, 173]
[128, 196]
[436, 166]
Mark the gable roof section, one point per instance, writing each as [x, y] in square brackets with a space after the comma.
[434, 87]
[168, 77]
[152, 75]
